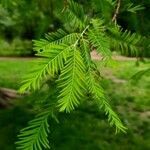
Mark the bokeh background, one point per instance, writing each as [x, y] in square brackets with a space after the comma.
[86, 128]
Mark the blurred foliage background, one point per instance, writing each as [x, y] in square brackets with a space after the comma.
[24, 20]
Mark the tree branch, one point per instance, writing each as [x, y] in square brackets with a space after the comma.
[65, 5]
[114, 19]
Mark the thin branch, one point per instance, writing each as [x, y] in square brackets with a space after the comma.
[81, 35]
[114, 19]
[65, 5]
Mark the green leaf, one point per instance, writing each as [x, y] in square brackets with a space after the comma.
[75, 16]
[125, 41]
[134, 9]
[71, 82]
[58, 37]
[98, 93]
[101, 100]
[35, 136]
[53, 62]
[98, 39]
[103, 8]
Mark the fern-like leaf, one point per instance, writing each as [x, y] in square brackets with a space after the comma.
[98, 39]
[131, 8]
[53, 62]
[35, 136]
[125, 41]
[58, 37]
[75, 15]
[71, 82]
[103, 8]
[102, 101]
[97, 92]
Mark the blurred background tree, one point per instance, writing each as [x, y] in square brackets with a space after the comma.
[24, 20]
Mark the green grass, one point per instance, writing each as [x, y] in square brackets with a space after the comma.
[86, 128]
[11, 71]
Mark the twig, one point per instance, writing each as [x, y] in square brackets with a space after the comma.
[114, 19]
[65, 5]
[81, 35]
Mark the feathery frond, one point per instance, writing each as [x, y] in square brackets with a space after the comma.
[58, 37]
[51, 64]
[98, 93]
[131, 8]
[75, 15]
[35, 136]
[103, 8]
[67, 55]
[102, 102]
[125, 41]
[71, 82]
[98, 39]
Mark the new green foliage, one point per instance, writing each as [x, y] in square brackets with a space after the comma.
[35, 135]
[71, 81]
[66, 56]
